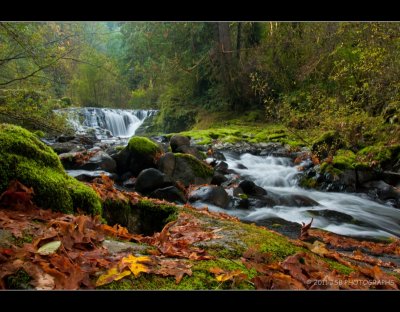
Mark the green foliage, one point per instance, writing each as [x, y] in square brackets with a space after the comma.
[27, 159]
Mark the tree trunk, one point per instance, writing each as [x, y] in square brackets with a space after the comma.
[238, 40]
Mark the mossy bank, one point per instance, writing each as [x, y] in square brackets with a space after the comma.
[25, 158]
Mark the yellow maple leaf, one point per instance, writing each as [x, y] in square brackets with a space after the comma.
[112, 274]
[222, 276]
[136, 264]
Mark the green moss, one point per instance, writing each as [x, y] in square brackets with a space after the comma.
[119, 147]
[344, 159]
[201, 278]
[40, 134]
[20, 241]
[83, 197]
[377, 154]
[25, 158]
[338, 266]
[199, 168]
[308, 182]
[329, 168]
[19, 280]
[143, 146]
[159, 213]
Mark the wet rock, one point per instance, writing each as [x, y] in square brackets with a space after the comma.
[187, 169]
[222, 167]
[65, 138]
[241, 166]
[140, 153]
[383, 191]
[332, 215]
[151, 179]
[166, 163]
[177, 141]
[67, 147]
[392, 178]
[101, 160]
[87, 176]
[129, 183]
[287, 228]
[215, 195]
[169, 193]
[250, 188]
[218, 178]
[98, 161]
[295, 200]
[189, 150]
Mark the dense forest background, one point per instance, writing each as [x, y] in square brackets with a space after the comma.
[304, 75]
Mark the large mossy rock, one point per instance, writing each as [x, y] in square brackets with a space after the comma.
[140, 153]
[25, 158]
[186, 169]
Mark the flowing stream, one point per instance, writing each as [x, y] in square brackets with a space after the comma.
[341, 213]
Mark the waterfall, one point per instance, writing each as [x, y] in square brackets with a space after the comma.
[106, 122]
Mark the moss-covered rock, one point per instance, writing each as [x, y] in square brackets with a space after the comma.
[144, 217]
[25, 158]
[140, 153]
[327, 144]
[344, 159]
[142, 146]
[189, 170]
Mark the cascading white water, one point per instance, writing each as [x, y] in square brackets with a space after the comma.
[277, 175]
[106, 122]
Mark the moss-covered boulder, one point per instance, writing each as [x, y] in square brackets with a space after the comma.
[25, 158]
[186, 168]
[140, 153]
[327, 144]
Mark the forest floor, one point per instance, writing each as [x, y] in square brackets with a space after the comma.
[200, 249]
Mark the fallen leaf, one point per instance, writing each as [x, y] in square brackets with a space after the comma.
[136, 264]
[304, 230]
[177, 268]
[49, 248]
[223, 276]
[112, 274]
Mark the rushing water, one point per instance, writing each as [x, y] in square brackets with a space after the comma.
[365, 218]
[106, 123]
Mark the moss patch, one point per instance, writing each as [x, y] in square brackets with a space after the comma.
[143, 146]
[338, 266]
[25, 158]
[344, 159]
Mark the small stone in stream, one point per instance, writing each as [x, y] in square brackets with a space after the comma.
[169, 193]
[218, 155]
[250, 188]
[241, 166]
[218, 178]
[222, 167]
[211, 194]
[151, 179]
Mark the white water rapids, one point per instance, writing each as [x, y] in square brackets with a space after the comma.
[277, 175]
